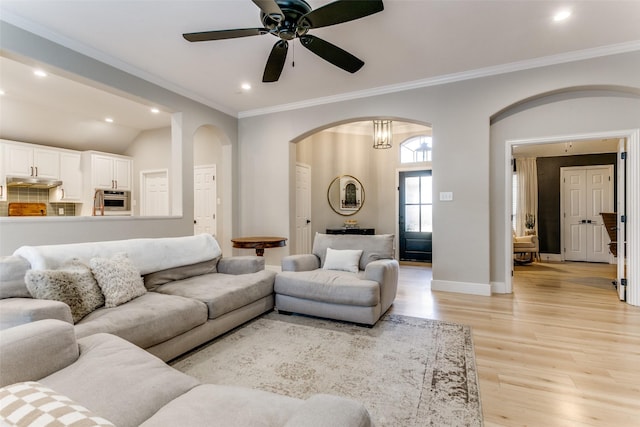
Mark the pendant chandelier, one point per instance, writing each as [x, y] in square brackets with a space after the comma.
[382, 134]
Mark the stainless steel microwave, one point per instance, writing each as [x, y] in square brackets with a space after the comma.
[112, 202]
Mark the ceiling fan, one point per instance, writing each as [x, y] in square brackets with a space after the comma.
[291, 19]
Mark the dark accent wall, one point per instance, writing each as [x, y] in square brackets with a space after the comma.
[549, 193]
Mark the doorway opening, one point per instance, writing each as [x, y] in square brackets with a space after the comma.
[627, 265]
[415, 216]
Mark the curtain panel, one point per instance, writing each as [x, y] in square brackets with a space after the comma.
[527, 202]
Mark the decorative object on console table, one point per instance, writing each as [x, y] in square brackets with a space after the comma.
[351, 230]
[259, 243]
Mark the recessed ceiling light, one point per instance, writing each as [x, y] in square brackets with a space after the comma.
[245, 86]
[2, 92]
[155, 110]
[562, 15]
[108, 120]
[40, 73]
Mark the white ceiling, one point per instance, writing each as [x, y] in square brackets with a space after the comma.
[60, 112]
[411, 42]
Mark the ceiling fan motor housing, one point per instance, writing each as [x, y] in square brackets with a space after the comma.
[287, 28]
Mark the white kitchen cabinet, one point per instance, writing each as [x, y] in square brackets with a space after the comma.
[109, 172]
[71, 176]
[28, 160]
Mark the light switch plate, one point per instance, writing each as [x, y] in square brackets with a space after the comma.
[60, 211]
[446, 196]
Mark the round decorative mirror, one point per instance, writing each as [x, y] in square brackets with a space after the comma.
[345, 195]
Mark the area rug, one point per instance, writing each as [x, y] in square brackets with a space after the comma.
[406, 371]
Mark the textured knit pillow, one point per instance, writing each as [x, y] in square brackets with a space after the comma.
[118, 278]
[345, 260]
[32, 404]
[73, 285]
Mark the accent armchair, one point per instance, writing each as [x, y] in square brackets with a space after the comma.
[347, 277]
[523, 245]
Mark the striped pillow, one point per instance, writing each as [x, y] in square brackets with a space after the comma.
[32, 404]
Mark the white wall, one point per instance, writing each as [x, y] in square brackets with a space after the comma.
[188, 117]
[460, 116]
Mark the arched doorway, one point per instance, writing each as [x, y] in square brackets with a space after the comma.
[346, 148]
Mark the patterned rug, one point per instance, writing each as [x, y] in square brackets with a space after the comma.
[406, 371]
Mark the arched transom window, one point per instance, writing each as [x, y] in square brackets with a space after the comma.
[416, 149]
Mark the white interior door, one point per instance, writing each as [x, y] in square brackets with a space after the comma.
[204, 199]
[587, 192]
[303, 209]
[155, 193]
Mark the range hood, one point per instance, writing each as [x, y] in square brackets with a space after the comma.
[32, 182]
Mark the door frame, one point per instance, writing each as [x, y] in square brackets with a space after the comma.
[633, 202]
[563, 220]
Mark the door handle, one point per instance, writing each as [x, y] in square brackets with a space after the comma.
[308, 221]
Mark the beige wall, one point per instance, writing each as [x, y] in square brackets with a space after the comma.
[151, 150]
[460, 113]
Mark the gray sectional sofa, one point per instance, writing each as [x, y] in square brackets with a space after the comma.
[117, 383]
[192, 294]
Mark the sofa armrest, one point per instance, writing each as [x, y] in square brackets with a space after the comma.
[241, 264]
[17, 311]
[322, 410]
[35, 350]
[385, 272]
[303, 262]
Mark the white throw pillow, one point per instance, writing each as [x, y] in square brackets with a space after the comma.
[118, 278]
[343, 260]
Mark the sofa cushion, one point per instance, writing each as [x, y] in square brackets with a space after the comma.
[337, 287]
[31, 403]
[379, 246]
[34, 350]
[342, 259]
[147, 320]
[153, 280]
[118, 380]
[211, 404]
[12, 271]
[118, 278]
[73, 285]
[223, 293]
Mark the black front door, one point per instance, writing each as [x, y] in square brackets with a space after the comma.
[416, 203]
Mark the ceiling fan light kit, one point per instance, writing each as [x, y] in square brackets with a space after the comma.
[291, 19]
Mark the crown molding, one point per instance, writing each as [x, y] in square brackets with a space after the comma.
[454, 77]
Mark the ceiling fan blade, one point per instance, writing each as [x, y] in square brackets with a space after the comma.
[340, 11]
[329, 52]
[224, 34]
[270, 8]
[276, 61]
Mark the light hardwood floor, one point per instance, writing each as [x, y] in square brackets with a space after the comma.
[562, 350]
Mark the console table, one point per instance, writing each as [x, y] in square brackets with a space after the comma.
[259, 243]
[351, 230]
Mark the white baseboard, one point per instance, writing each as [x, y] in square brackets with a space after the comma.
[551, 257]
[498, 288]
[483, 289]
